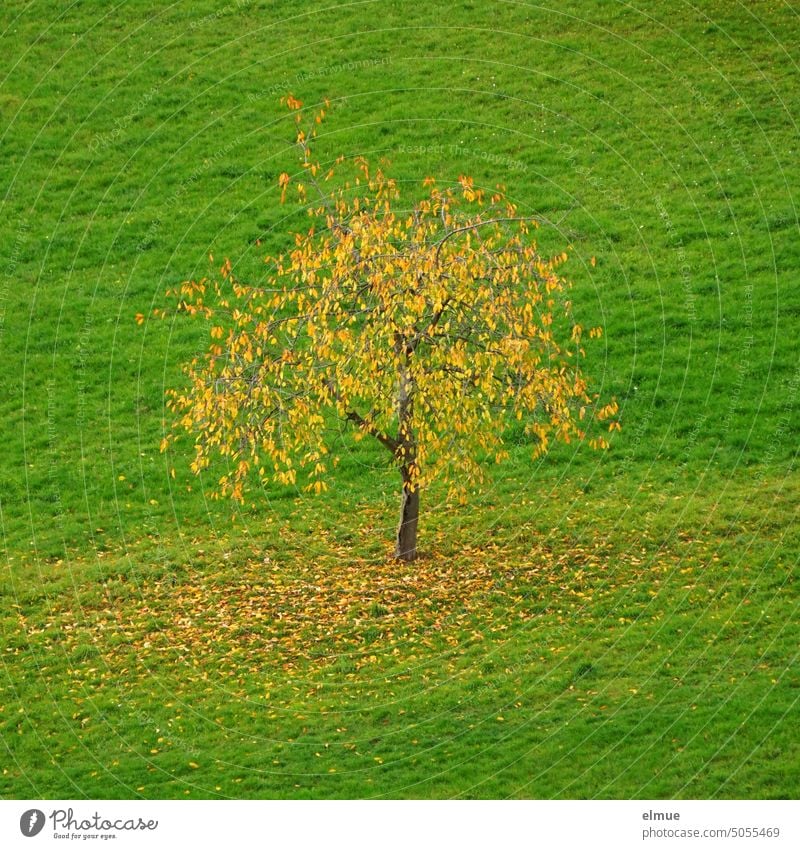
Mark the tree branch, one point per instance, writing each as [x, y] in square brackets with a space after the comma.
[391, 444]
[364, 424]
[475, 226]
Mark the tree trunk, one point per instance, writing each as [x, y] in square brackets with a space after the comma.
[406, 453]
[406, 548]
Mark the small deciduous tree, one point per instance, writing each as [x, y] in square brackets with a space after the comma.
[427, 327]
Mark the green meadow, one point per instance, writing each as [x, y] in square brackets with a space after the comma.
[621, 624]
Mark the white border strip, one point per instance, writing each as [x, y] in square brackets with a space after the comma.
[399, 825]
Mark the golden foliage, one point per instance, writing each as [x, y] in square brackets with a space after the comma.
[428, 326]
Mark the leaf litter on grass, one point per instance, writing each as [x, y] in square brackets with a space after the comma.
[335, 613]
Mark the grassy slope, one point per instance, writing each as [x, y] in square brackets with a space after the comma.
[662, 140]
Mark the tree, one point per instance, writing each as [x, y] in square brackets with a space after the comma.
[426, 328]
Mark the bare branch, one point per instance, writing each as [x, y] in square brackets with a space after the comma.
[474, 226]
[391, 444]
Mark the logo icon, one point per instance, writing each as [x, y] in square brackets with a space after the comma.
[31, 822]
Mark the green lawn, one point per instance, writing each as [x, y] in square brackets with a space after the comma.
[616, 625]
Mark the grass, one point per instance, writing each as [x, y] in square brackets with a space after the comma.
[615, 626]
[589, 663]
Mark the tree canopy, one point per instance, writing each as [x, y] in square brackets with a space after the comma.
[428, 325]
